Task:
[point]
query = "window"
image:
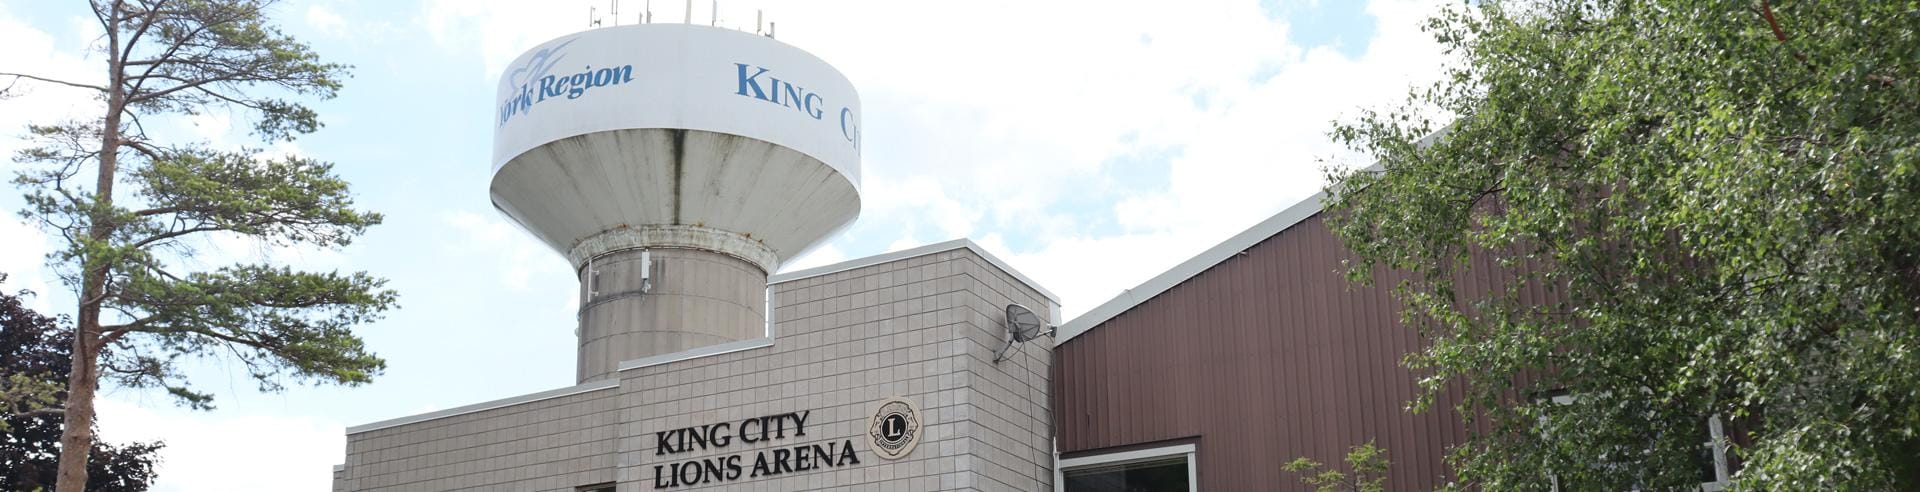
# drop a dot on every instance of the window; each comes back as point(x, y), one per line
point(1167, 469)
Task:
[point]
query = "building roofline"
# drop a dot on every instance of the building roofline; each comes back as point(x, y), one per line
point(944, 246)
point(1193, 266)
point(695, 353)
point(487, 405)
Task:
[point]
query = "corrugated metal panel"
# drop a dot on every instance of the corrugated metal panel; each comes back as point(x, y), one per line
point(1268, 356)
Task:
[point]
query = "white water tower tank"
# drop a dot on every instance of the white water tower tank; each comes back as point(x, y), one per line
point(713, 153)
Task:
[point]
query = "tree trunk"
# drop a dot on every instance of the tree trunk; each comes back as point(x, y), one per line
point(76, 438)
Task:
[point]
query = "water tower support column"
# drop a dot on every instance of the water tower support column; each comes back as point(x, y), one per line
point(702, 290)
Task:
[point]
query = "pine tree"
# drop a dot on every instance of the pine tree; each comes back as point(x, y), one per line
point(123, 246)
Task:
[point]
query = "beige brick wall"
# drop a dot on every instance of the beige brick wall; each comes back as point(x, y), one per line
point(547, 445)
point(1014, 438)
point(923, 328)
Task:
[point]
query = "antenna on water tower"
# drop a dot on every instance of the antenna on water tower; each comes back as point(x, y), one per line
point(714, 20)
point(646, 17)
point(689, 12)
point(615, 12)
point(593, 18)
point(758, 15)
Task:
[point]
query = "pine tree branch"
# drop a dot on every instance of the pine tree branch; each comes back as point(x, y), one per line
point(110, 18)
point(158, 211)
point(185, 85)
point(143, 149)
point(223, 74)
point(174, 234)
point(54, 81)
point(110, 333)
point(40, 412)
point(153, 14)
point(139, 126)
point(223, 97)
point(165, 57)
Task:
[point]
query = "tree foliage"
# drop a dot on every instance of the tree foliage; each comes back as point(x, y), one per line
point(35, 347)
point(1721, 203)
point(1367, 462)
point(125, 249)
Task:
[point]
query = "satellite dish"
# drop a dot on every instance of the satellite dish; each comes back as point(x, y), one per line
point(1022, 325)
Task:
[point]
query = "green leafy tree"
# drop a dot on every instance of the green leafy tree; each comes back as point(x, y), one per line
point(1368, 462)
point(1721, 203)
point(127, 230)
point(36, 347)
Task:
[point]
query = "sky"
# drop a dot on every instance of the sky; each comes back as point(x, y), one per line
point(1092, 144)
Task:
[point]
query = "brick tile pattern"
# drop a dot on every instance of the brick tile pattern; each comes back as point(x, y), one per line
point(552, 444)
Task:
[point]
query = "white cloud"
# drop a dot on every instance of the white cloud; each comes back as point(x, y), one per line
point(918, 200)
point(21, 258)
point(219, 451)
point(356, 22)
point(903, 244)
point(32, 51)
point(325, 20)
point(491, 235)
point(281, 149)
point(211, 126)
point(489, 239)
point(824, 255)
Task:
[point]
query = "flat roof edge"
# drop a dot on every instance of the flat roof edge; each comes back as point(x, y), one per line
point(487, 405)
point(1129, 298)
point(695, 353)
point(939, 247)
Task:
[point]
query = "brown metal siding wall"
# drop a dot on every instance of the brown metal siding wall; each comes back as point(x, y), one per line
point(1268, 356)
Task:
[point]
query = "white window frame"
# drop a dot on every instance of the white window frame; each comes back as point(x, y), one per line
point(1188, 451)
point(1721, 471)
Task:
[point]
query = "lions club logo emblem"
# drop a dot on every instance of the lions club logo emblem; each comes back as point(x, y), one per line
point(895, 428)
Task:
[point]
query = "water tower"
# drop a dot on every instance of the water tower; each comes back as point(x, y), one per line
point(674, 166)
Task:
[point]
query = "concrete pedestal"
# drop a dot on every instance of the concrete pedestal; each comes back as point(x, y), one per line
point(697, 298)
